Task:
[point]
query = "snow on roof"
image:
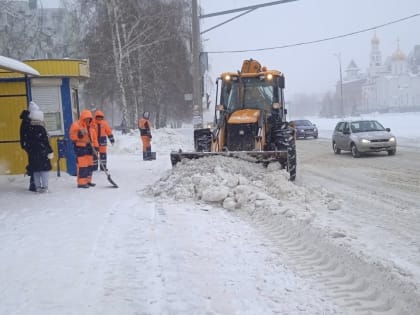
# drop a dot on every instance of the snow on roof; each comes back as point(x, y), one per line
point(16, 66)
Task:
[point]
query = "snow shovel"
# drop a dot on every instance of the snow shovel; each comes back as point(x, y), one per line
point(114, 185)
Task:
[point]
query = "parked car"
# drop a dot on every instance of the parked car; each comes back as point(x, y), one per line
point(362, 136)
point(305, 128)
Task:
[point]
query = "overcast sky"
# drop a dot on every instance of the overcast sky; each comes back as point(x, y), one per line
point(308, 68)
point(311, 68)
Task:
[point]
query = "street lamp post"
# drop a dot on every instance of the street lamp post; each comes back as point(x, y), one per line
point(338, 55)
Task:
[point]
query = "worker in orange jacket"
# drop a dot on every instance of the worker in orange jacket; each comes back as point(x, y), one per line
point(146, 136)
point(103, 132)
point(85, 145)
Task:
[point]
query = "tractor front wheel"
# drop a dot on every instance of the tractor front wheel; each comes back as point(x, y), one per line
point(291, 158)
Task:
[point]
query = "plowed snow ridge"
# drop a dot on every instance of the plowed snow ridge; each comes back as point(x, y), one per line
point(285, 213)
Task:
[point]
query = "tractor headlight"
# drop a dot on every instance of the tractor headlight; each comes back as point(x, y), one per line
point(276, 105)
point(227, 77)
point(269, 76)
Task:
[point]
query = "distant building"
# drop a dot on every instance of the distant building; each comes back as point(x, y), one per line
point(390, 86)
point(42, 30)
point(353, 83)
point(414, 60)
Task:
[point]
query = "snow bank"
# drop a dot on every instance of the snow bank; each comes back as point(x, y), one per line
point(238, 185)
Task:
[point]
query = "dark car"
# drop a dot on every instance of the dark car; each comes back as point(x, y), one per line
point(305, 128)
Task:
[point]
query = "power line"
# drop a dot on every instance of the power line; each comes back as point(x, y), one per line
point(251, 7)
point(319, 40)
point(227, 21)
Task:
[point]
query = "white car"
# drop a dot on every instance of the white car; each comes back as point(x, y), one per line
point(363, 136)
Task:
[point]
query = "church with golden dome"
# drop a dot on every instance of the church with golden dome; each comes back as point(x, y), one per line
point(390, 85)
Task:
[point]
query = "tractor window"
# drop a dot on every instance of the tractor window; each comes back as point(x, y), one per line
point(249, 93)
point(257, 93)
point(233, 101)
point(230, 96)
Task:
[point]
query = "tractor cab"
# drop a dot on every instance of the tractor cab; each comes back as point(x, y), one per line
point(249, 120)
point(260, 89)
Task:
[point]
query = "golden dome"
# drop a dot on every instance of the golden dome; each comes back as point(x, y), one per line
point(398, 55)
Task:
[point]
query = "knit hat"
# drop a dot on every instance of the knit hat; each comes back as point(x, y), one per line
point(36, 115)
point(33, 106)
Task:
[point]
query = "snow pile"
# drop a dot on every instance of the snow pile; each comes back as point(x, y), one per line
point(238, 185)
point(164, 141)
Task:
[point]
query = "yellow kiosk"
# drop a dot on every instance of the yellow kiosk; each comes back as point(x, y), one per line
point(53, 84)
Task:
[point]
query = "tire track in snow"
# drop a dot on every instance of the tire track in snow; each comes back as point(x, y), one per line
point(353, 279)
point(355, 285)
point(381, 195)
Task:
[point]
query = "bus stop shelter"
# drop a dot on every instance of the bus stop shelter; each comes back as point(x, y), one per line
point(15, 94)
point(54, 85)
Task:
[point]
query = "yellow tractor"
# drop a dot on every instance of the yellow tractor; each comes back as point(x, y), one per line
point(249, 121)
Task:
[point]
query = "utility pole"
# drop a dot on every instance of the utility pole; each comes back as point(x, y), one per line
point(196, 50)
point(197, 100)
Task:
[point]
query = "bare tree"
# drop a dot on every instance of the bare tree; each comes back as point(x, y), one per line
point(21, 30)
point(139, 51)
point(139, 57)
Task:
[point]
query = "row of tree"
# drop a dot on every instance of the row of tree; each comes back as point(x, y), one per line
point(139, 52)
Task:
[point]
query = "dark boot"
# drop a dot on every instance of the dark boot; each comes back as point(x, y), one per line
point(144, 156)
point(149, 153)
point(32, 186)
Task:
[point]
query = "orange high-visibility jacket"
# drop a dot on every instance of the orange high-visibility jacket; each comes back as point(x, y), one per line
point(89, 134)
point(144, 126)
point(103, 130)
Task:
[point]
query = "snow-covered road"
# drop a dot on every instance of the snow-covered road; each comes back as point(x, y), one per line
point(215, 236)
point(122, 251)
point(379, 201)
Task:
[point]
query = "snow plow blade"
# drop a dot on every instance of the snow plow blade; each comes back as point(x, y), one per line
point(250, 156)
